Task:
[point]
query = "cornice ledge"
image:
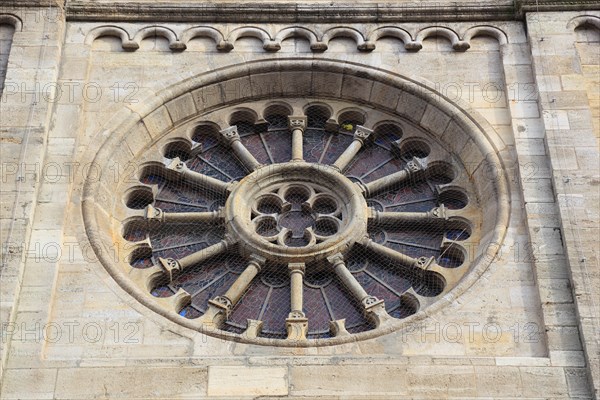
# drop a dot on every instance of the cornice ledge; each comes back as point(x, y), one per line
point(317, 12)
point(528, 6)
point(291, 12)
point(8, 5)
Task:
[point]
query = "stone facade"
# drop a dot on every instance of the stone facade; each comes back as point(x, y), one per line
point(95, 90)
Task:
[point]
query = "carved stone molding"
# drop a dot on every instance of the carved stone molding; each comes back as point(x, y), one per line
point(365, 37)
point(329, 12)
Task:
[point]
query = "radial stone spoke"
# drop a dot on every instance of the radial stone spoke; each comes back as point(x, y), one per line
point(296, 323)
point(173, 266)
point(424, 263)
point(433, 216)
point(374, 308)
point(297, 125)
point(413, 170)
point(232, 137)
point(157, 215)
point(360, 136)
point(220, 307)
point(198, 179)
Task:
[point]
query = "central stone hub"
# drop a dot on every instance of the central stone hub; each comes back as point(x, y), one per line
point(296, 212)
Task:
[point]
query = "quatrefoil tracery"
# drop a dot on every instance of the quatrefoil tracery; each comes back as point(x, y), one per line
point(297, 215)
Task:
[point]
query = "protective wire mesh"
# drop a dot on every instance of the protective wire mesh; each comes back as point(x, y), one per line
point(326, 297)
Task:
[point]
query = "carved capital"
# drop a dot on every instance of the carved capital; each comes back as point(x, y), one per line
point(439, 212)
point(223, 303)
point(296, 268)
point(230, 134)
point(217, 312)
point(170, 265)
point(177, 165)
point(297, 122)
point(296, 315)
point(154, 214)
point(229, 241)
point(257, 261)
point(362, 134)
point(370, 302)
point(424, 262)
point(336, 259)
point(296, 325)
point(414, 166)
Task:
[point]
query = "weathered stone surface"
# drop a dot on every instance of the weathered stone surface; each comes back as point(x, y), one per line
point(124, 383)
point(544, 124)
point(233, 381)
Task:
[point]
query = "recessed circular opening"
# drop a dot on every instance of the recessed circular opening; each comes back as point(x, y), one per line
point(297, 194)
point(269, 205)
point(141, 262)
point(440, 173)
point(277, 116)
point(190, 312)
point(349, 120)
point(325, 205)
point(162, 291)
point(451, 257)
point(325, 227)
point(135, 231)
point(205, 134)
point(177, 149)
point(430, 284)
point(409, 305)
point(415, 148)
point(246, 116)
point(277, 121)
point(458, 230)
point(277, 108)
point(152, 174)
point(138, 199)
point(349, 125)
point(457, 234)
point(453, 199)
point(267, 227)
point(388, 132)
point(317, 116)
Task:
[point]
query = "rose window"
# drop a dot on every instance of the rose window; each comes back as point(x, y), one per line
point(300, 223)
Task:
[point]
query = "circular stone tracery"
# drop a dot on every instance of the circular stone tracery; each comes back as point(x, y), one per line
point(304, 230)
point(422, 210)
point(296, 212)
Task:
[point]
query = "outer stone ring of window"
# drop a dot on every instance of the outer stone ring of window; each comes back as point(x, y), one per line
point(427, 173)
